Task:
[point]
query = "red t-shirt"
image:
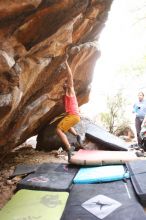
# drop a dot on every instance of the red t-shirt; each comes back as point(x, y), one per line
point(71, 105)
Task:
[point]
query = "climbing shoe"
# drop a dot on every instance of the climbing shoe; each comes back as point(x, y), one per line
point(79, 141)
point(70, 152)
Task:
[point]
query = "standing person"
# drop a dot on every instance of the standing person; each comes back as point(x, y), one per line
point(72, 113)
point(139, 109)
point(143, 134)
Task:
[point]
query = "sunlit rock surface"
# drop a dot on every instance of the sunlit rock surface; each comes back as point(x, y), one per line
point(34, 37)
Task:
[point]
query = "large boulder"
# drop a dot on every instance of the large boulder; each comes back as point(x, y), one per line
point(48, 140)
point(34, 37)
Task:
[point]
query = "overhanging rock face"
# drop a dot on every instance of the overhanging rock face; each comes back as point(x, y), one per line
point(34, 37)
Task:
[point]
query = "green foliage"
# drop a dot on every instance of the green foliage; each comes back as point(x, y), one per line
point(114, 116)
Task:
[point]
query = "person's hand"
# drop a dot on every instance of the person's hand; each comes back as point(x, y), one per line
point(75, 50)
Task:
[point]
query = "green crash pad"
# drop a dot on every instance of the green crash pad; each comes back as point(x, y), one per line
point(30, 205)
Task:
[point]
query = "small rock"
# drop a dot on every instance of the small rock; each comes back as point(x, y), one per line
point(9, 182)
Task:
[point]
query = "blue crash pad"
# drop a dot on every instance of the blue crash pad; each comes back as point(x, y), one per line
point(101, 174)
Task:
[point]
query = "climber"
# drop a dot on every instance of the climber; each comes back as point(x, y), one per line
point(72, 116)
